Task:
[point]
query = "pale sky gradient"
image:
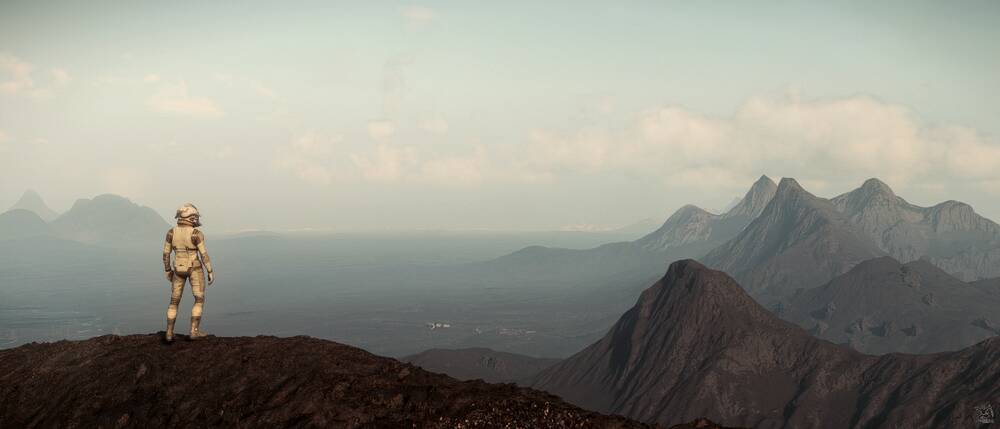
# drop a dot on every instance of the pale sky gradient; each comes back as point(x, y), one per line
point(513, 115)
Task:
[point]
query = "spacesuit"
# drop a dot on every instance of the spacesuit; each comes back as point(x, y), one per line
point(190, 261)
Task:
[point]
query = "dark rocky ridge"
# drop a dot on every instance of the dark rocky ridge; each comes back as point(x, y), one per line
point(696, 344)
point(480, 363)
point(267, 382)
point(882, 306)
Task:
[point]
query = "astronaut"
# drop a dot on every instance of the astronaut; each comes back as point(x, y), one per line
point(188, 246)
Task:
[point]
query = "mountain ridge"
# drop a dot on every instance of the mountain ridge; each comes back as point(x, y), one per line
point(695, 342)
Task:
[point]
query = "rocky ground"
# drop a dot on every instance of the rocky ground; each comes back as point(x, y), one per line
point(298, 382)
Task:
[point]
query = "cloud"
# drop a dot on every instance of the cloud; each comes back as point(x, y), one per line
point(256, 87)
point(309, 157)
point(174, 98)
point(18, 77)
point(435, 125)
point(60, 77)
point(387, 164)
point(418, 17)
point(15, 75)
point(151, 78)
point(825, 141)
point(381, 129)
point(453, 170)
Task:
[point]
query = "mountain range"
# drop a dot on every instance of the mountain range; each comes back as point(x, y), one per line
point(950, 234)
point(697, 344)
point(802, 241)
point(798, 241)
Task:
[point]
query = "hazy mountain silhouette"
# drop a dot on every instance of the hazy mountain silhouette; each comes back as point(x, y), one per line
point(21, 223)
point(698, 231)
point(798, 241)
point(689, 233)
point(110, 220)
point(951, 234)
point(33, 202)
point(266, 382)
point(480, 363)
point(883, 306)
point(696, 344)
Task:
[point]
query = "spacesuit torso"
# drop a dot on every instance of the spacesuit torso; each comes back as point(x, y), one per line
point(184, 248)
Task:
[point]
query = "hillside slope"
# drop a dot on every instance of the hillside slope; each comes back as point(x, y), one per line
point(265, 382)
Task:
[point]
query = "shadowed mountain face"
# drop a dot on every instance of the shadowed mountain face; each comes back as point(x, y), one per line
point(798, 241)
point(264, 382)
point(698, 231)
point(883, 306)
point(696, 344)
point(480, 363)
point(110, 220)
point(951, 234)
point(21, 223)
point(33, 202)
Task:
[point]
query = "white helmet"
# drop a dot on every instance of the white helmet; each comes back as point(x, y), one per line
point(189, 213)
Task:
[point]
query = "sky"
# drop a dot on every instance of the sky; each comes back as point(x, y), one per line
point(498, 116)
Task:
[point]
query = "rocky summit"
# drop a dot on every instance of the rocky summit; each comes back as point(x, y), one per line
point(257, 382)
point(695, 344)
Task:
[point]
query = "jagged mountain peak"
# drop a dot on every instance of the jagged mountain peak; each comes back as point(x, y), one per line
point(788, 184)
point(876, 186)
point(689, 284)
point(756, 198)
point(873, 200)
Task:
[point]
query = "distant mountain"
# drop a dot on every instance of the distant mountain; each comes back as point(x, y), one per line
point(21, 223)
point(697, 231)
point(480, 363)
point(33, 202)
point(951, 234)
point(572, 265)
point(638, 228)
point(689, 233)
point(258, 382)
point(882, 306)
point(798, 241)
point(110, 220)
point(696, 344)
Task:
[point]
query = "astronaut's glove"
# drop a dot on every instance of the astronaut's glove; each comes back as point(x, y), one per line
point(211, 278)
point(170, 276)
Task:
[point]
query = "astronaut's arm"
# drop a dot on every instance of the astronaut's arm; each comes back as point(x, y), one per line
point(166, 251)
point(199, 240)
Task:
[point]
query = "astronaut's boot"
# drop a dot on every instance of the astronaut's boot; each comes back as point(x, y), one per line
point(169, 336)
point(195, 332)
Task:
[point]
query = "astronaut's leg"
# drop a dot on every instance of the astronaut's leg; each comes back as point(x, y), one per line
point(198, 290)
point(176, 288)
